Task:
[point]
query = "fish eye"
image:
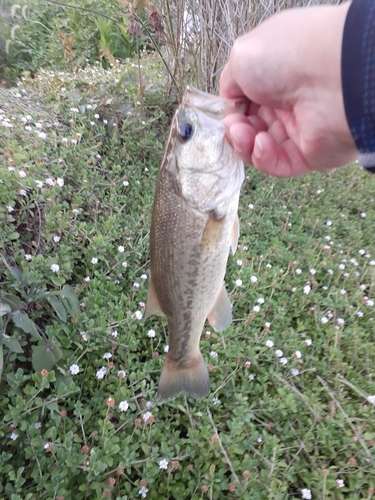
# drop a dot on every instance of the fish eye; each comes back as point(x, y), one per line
point(186, 131)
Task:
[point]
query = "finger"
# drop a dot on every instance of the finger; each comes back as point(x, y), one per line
point(241, 135)
point(266, 114)
point(278, 132)
point(279, 160)
point(254, 121)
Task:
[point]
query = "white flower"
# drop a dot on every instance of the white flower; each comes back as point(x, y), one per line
point(74, 369)
point(312, 271)
point(75, 210)
point(137, 315)
point(74, 110)
point(94, 260)
point(124, 264)
point(22, 174)
point(101, 373)
point(83, 336)
point(107, 355)
point(269, 343)
point(146, 416)
point(9, 209)
point(256, 309)
point(121, 374)
point(56, 239)
point(361, 252)
point(144, 277)
point(330, 272)
point(260, 300)
point(14, 436)
point(363, 215)
point(329, 223)
point(163, 464)
point(96, 116)
point(343, 292)
point(136, 285)
point(324, 320)
point(319, 191)
point(216, 401)
point(308, 342)
point(372, 262)
point(283, 361)
point(151, 334)
point(114, 334)
point(238, 282)
point(23, 192)
point(294, 372)
point(251, 206)
point(28, 256)
point(306, 494)
point(342, 267)
point(87, 279)
point(298, 271)
point(149, 405)
point(297, 354)
point(253, 279)
point(340, 321)
point(37, 425)
point(371, 399)
point(213, 354)
point(166, 348)
point(251, 377)
point(267, 325)
point(340, 483)
point(294, 289)
point(120, 249)
point(306, 289)
point(143, 491)
point(123, 406)
point(239, 262)
point(279, 353)
point(268, 266)
point(60, 182)
point(49, 181)
point(370, 303)
point(55, 268)
point(42, 135)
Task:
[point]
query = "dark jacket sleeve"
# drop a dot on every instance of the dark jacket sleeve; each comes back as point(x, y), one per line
point(358, 78)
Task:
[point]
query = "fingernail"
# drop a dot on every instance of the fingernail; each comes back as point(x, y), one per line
point(258, 147)
point(237, 144)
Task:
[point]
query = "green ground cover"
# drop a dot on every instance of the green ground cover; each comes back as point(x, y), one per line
point(291, 412)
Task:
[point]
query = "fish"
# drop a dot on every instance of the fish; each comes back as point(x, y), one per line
point(194, 225)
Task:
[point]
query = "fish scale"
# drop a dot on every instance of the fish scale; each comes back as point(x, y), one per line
point(194, 224)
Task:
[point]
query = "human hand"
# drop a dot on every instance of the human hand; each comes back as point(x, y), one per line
point(289, 68)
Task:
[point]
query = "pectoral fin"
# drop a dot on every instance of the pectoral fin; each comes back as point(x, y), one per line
point(221, 315)
point(152, 304)
point(235, 234)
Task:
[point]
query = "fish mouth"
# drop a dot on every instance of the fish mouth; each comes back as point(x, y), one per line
point(213, 105)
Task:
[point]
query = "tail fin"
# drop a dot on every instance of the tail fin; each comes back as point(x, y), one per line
point(193, 379)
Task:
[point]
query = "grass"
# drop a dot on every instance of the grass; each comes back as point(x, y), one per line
point(277, 425)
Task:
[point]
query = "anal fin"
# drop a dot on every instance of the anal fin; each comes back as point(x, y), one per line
point(221, 315)
point(152, 304)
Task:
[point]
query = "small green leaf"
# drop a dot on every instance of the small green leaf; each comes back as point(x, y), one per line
point(13, 300)
point(12, 344)
point(4, 309)
point(58, 280)
point(14, 271)
point(58, 306)
point(70, 300)
point(42, 358)
point(21, 320)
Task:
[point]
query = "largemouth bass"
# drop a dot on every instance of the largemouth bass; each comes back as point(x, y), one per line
point(194, 224)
